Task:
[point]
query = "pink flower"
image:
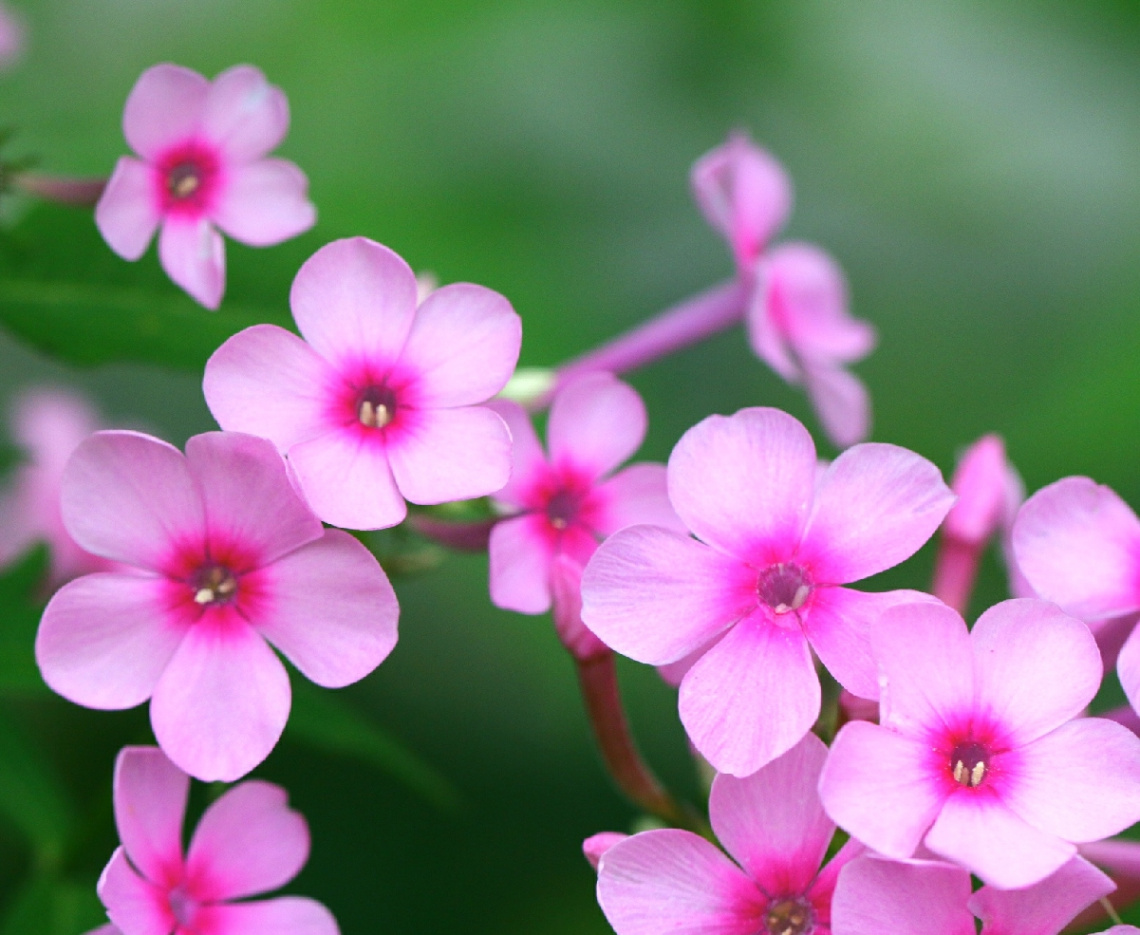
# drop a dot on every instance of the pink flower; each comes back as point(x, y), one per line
point(248, 842)
point(763, 587)
point(202, 166)
point(381, 404)
point(228, 556)
point(875, 896)
point(772, 825)
point(13, 37)
point(597, 844)
point(981, 754)
point(565, 504)
point(1078, 544)
point(48, 424)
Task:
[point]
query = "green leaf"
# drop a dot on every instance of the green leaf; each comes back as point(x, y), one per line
point(50, 905)
point(323, 721)
point(31, 797)
point(64, 292)
point(20, 610)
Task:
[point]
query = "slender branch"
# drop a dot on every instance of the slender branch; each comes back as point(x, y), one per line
point(81, 192)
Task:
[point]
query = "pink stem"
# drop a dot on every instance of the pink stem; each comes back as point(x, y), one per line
point(81, 192)
point(463, 536)
point(955, 568)
point(677, 327)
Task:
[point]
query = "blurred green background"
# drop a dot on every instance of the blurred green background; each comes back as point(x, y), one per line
point(973, 166)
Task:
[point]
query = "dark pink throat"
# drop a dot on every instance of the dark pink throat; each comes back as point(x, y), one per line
point(789, 917)
point(214, 585)
point(970, 764)
point(784, 587)
point(375, 407)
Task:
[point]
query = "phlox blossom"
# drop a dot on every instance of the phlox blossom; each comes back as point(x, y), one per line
point(13, 37)
point(248, 842)
point(226, 555)
point(380, 402)
point(562, 505)
point(201, 167)
point(772, 825)
point(763, 583)
point(48, 425)
point(981, 753)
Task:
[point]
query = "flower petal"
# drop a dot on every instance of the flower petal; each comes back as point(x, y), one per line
point(222, 702)
point(135, 905)
point(656, 596)
point(105, 640)
point(354, 300)
point(1047, 906)
point(268, 382)
point(841, 401)
point(1128, 668)
point(637, 495)
point(875, 785)
point(744, 482)
point(463, 345)
point(150, 803)
point(1036, 667)
point(520, 556)
point(265, 203)
point(244, 114)
point(888, 897)
point(128, 212)
point(672, 880)
point(875, 506)
point(528, 462)
point(347, 481)
point(1080, 782)
point(751, 697)
point(248, 842)
point(772, 822)
point(1077, 543)
point(285, 915)
point(333, 613)
point(250, 502)
point(596, 423)
point(163, 108)
point(129, 497)
point(193, 255)
point(980, 832)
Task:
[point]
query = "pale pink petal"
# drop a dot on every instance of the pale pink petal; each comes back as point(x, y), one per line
point(838, 626)
point(268, 382)
point(1128, 668)
point(751, 697)
point(656, 596)
point(744, 193)
point(520, 553)
point(1078, 544)
point(193, 255)
point(637, 495)
point(926, 668)
point(347, 481)
point(597, 844)
point(105, 640)
point(249, 500)
point(981, 833)
point(841, 401)
point(222, 702)
point(875, 506)
point(150, 803)
point(876, 785)
point(766, 335)
point(528, 462)
point(744, 482)
point(135, 905)
point(130, 497)
point(244, 114)
point(566, 597)
point(673, 881)
point(886, 897)
point(265, 203)
point(332, 611)
point(128, 212)
point(354, 300)
point(285, 915)
point(596, 423)
point(1080, 782)
point(772, 822)
point(463, 345)
point(1120, 857)
point(452, 454)
point(1044, 908)
point(673, 673)
point(163, 108)
point(108, 929)
point(13, 37)
point(821, 890)
point(248, 842)
point(981, 482)
point(1036, 666)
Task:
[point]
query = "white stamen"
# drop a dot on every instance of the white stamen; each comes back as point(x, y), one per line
point(977, 773)
point(204, 596)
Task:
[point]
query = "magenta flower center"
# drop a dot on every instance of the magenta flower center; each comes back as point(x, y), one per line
point(969, 764)
point(189, 179)
point(783, 587)
point(214, 584)
point(376, 407)
point(183, 180)
point(789, 917)
point(562, 508)
point(181, 907)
